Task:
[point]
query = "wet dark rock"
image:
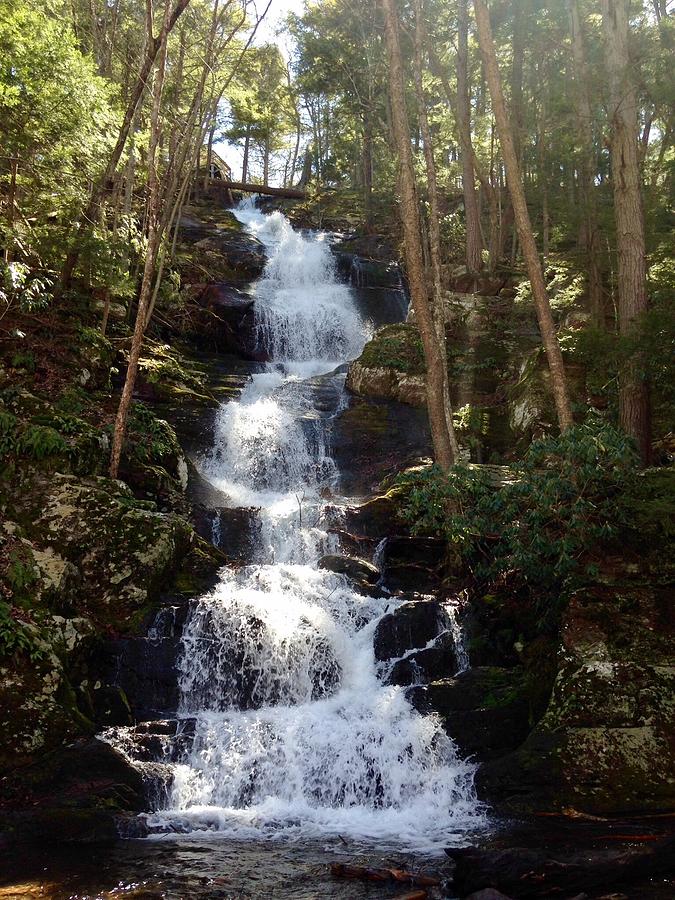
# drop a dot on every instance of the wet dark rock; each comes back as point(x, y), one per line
point(413, 563)
point(411, 625)
point(357, 569)
point(232, 530)
point(144, 668)
point(426, 665)
point(371, 440)
point(485, 710)
point(71, 794)
point(369, 248)
point(224, 320)
point(110, 705)
point(488, 894)
point(528, 778)
point(374, 519)
point(241, 252)
point(566, 872)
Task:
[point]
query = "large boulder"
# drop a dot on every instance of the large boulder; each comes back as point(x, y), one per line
point(410, 626)
point(144, 668)
point(484, 710)
point(421, 666)
point(413, 563)
point(77, 793)
point(241, 252)
point(391, 367)
point(374, 439)
point(232, 530)
point(123, 548)
point(605, 743)
point(89, 558)
point(224, 320)
point(358, 570)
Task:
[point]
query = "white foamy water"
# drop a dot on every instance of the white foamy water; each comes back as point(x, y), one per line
point(295, 735)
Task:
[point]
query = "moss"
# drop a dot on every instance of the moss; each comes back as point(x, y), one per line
point(397, 347)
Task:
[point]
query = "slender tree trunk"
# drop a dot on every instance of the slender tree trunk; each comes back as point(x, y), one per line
point(471, 209)
point(247, 145)
point(434, 219)
point(11, 203)
point(522, 219)
point(150, 257)
point(410, 219)
point(367, 166)
point(634, 401)
point(209, 156)
point(468, 152)
point(266, 162)
point(590, 232)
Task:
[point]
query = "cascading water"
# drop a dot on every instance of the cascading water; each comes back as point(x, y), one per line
point(294, 734)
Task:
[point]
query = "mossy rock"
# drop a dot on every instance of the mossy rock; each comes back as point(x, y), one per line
point(604, 744)
point(396, 347)
point(123, 548)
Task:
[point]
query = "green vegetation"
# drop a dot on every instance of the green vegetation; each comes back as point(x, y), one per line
point(397, 347)
point(558, 511)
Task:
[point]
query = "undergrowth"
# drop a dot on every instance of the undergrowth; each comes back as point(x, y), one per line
point(568, 499)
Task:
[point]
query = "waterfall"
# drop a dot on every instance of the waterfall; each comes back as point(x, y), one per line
point(295, 735)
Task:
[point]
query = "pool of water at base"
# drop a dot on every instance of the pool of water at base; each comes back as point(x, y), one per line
point(200, 869)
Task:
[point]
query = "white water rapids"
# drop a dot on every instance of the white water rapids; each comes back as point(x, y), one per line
point(295, 734)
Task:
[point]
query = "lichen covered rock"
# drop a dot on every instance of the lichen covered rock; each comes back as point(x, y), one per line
point(605, 743)
point(391, 367)
point(84, 557)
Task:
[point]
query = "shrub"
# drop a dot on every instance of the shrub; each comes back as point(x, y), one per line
point(545, 520)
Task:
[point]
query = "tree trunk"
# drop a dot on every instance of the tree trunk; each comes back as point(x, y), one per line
point(590, 233)
point(247, 145)
point(367, 165)
point(634, 401)
point(522, 219)
point(209, 156)
point(466, 144)
point(266, 162)
point(150, 257)
point(434, 220)
point(471, 210)
point(11, 203)
point(410, 219)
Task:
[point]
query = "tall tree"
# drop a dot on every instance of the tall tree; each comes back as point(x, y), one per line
point(590, 236)
point(471, 210)
point(153, 216)
point(436, 376)
point(634, 405)
point(522, 218)
point(438, 310)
